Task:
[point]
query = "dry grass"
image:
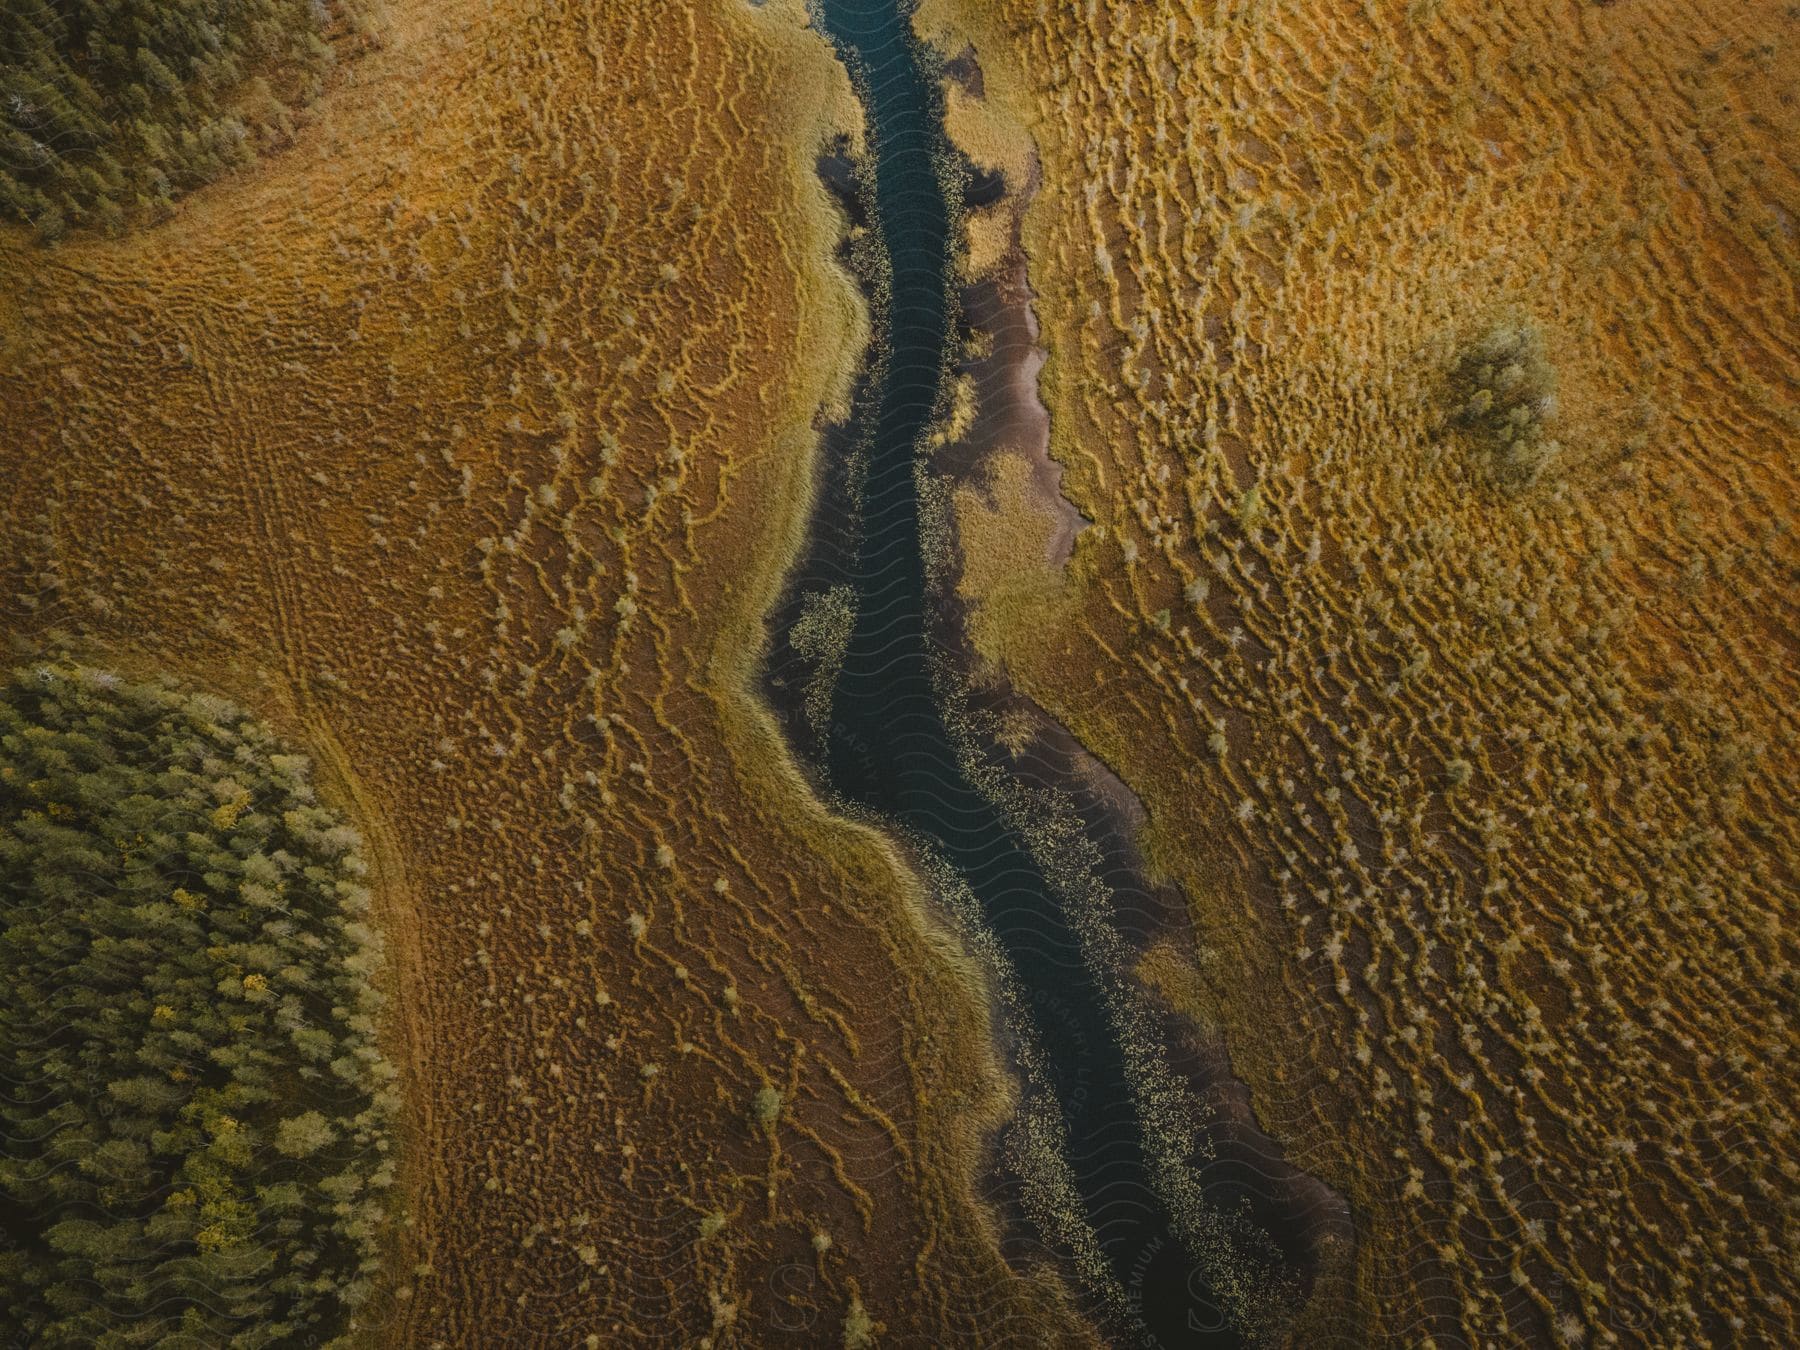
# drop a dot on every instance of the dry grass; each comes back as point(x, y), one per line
point(467, 441)
point(1477, 788)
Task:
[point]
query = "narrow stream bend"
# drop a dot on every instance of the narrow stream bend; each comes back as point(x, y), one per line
point(886, 750)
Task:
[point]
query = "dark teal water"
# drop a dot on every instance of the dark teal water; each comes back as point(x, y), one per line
point(887, 748)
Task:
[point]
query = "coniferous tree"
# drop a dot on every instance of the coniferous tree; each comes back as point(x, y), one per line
point(182, 945)
point(106, 104)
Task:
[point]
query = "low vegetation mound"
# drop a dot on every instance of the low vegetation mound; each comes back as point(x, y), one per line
point(193, 1112)
point(1505, 392)
point(110, 108)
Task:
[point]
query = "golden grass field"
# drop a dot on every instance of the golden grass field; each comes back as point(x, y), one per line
point(467, 440)
point(1479, 794)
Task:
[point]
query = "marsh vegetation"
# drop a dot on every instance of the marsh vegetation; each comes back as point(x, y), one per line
point(476, 439)
point(1426, 373)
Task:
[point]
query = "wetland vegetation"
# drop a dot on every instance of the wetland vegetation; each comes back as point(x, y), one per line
point(1270, 824)
point(1436, 605)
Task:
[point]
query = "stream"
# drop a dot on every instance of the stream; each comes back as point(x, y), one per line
point(887, 751)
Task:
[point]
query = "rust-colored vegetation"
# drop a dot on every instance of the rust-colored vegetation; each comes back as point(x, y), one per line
point(1465, 719)
point(466, 441)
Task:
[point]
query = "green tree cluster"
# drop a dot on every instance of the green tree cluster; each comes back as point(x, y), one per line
point(1504, 391)
point(194, 1114)
point(113, 108)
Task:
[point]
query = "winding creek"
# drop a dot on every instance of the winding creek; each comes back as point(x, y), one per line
point(888, 749)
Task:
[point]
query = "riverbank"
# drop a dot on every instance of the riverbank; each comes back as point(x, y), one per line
point(1385, 720)
point(907, 743)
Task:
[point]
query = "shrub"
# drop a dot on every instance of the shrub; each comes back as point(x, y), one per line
point(1504, 391)
point(194, 1109)
point(765, 1107)
point(859, 1328)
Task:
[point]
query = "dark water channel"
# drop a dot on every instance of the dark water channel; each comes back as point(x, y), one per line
point(886, 747)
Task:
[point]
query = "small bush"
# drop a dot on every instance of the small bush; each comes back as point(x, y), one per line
point(860, 1329)
point(193, 1105)
point(1503, 389)
point(765, 1107)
